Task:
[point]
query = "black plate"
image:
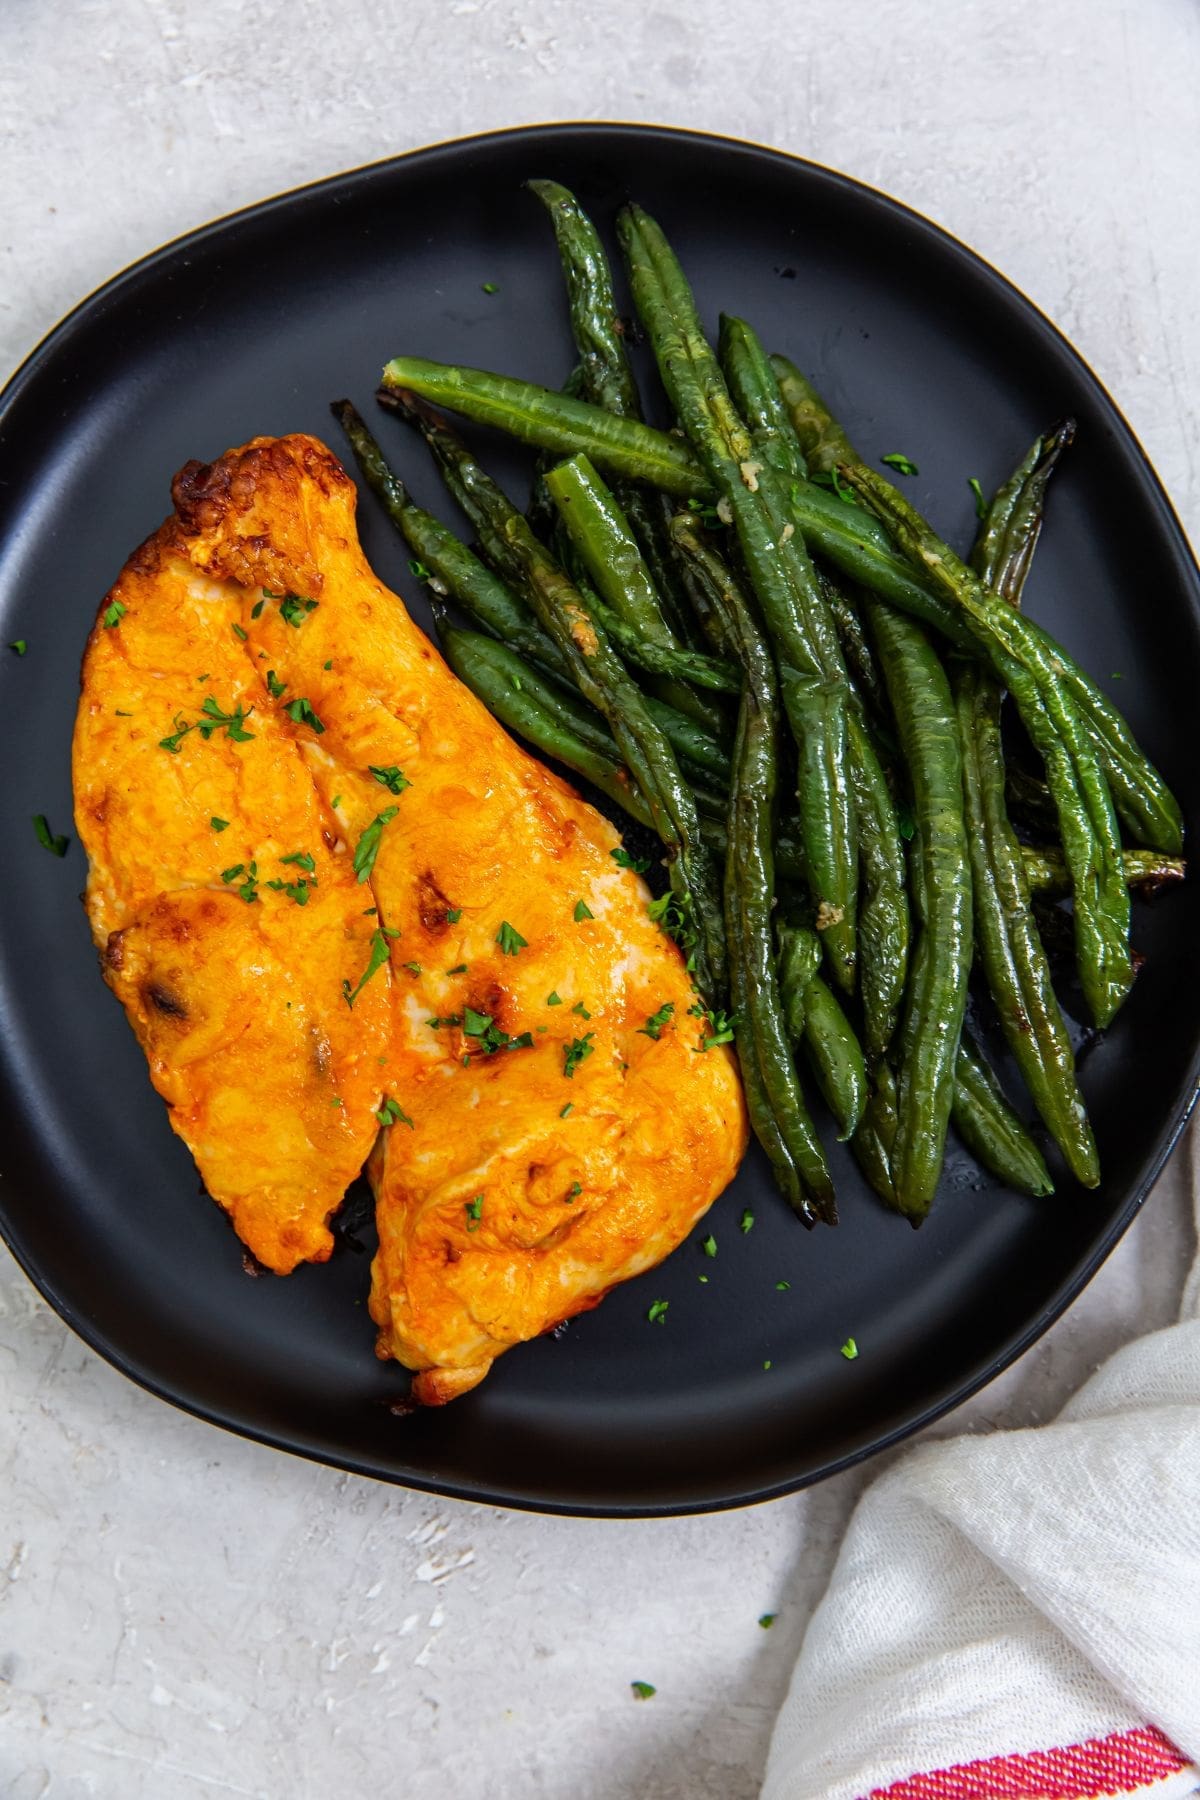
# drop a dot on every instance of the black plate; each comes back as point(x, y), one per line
point(252, 326)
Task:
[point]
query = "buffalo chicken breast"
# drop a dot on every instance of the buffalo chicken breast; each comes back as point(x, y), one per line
point(467, 960)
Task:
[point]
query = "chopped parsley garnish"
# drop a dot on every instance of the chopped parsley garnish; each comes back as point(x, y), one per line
point(173, 742)
point(301, 712)
point(746, 1222)
point(553, 999)
point(849, 1349)
point(256, 609)
point(114, 614)
point(248, 888)
point(709, 1245)
point(574, 1191)
point(122, 715)
point(766, 1620)
point(720, 1030)
point(581, 1009)
point(18, 646)
point(902, 464)
point(569, 1107)
point(392, 778)
point(832, 479)
point(703, 1279)
point(653, 1028)
point(623, 860)
point(458, 969)
point(295, 890)
point(57, 846)
point(376, 960)
point(453, 915)
point(906, 823)
point(238, 633)
point(474, 1211)
point(672, 913)
point(413, 968)
point(582, 911)
point(489, 1036)
point(577, 1051)
point(976, 488)
point(781, 1287)
point(490, 287)
point(706, 512)
point(336, 801)
point(418, 571)
point(303, 859)
point(233, 722)
point(658, 1311)
point(292, 607)
point(328, 665)
point(509, 940)
point(219, 824)
point(767, 1364)
point(446, 1019)
point(642, 1690)
point(276, 688)
point(367, 847)
point(392, 1113)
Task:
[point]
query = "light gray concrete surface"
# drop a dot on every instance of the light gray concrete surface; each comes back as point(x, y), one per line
point(185, 1615)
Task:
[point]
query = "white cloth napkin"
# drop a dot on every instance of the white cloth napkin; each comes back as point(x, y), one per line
point(1018, 1614)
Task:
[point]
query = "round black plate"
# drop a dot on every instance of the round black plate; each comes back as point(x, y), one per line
point(252, 326)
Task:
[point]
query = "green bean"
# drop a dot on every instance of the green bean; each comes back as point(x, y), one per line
point(861, 665)
point(816, 1023)
point(1006, 936)
point(1086, 818)
point(990, 1128)
point(937, 991)
point(874, 1142)
point(601, 535)
point(510, 690)
point(859, 546)
point(707, 574)
point(884, 924)
point(755, 389)
point(780, 575)
point(774, 1096)
point(1046, 871)
point(536, 415)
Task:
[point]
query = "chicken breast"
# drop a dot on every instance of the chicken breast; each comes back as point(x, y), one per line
point(557, 1125)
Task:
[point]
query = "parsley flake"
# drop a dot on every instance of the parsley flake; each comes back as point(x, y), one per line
point(553, 999)
point(295, 890)
point(672, 913)
point(238, 633)
point(301, 713)
point(376, 960)
point(623, 860)
point(574, 1191)
point(509, 940)
point(276, 688)
point(709, 1245)
point(582, 911)
point(414, 968)
point(658, 1311)
point(392, 778)
point(453, 915)
point(849, 1349)
point(720, 1030)
point(489, 287)
point(781, 1287)
point(474, 1211)
point(215, 717)
point(903, 465)
point(569, 1107)
point(581, 1009)
point(642, 1690)
point(746, 1222)
point(173, 742)
point(114, 614)
point(458, 969)
point(256, 609)
point(247, 889)
point(482, 1027)
point(418, 571)
point(292, 607)
point(303, 859)
point(392, 1113)
point(981, 505)
point(766, 1620)
point(653, 1028)
point(18, 646)
point(577, 1051)
point(57, 846)
point(367, 848)
point(219, 824)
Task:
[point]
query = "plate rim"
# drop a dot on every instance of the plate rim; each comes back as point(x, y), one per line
point(1176, 1117)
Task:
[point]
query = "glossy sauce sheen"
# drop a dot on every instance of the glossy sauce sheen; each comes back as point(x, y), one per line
point(497, 1216)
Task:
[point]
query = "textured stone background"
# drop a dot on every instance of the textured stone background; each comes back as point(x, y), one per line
point(185, 1615)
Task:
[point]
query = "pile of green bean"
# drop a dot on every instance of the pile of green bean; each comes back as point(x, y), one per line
point(747, 639)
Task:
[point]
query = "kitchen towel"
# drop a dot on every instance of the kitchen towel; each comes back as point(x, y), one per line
point(1017, 1614)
